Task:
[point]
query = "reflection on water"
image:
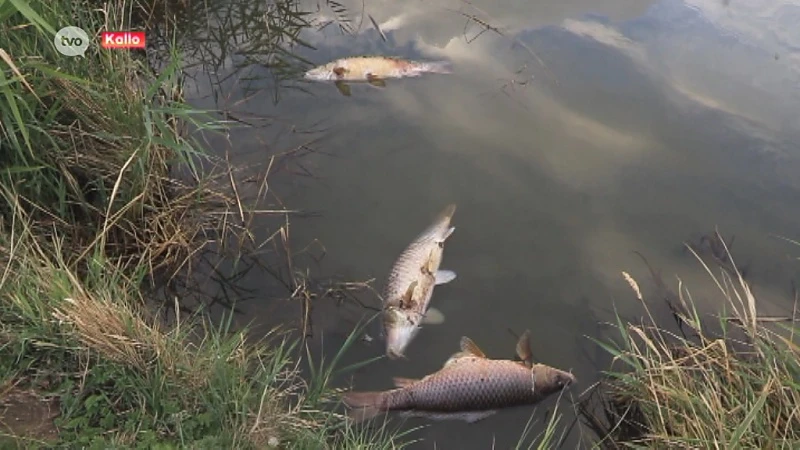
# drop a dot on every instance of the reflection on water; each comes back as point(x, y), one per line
point(571, 134)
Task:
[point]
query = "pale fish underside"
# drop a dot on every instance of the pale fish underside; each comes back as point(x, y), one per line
point(373, 70)
point(410, 285)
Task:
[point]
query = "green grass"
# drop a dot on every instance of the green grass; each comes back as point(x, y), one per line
point(90, 144)
point(123, 377)
point(91, 209)
point(734, 387)
point(551, 436)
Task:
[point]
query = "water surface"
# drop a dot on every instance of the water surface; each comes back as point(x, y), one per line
point(575, 135)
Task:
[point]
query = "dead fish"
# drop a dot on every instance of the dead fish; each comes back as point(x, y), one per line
point(373, 70)
point(409, 288)
point(469, 387)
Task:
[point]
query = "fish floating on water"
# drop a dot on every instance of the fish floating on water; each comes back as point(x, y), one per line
point(409, 288)
point(373, 70)
point(470, 387)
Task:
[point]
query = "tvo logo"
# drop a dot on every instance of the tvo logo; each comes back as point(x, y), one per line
point(71, 41)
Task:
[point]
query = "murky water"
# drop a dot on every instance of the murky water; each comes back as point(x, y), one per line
point(578, 133)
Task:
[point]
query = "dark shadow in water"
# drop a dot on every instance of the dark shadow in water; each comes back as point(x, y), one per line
point(230, 52)
point(250, 44)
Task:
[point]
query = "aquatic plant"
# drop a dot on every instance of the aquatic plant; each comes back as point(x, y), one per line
point(104, 181)
point(94, 144)
point(737, 387)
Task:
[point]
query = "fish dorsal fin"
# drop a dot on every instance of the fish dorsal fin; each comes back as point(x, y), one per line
point(468, 347)
point(403, 382)
point(524, 348)
point(408, 298)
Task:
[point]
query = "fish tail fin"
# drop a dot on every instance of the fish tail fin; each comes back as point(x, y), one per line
point(438, 67)
point(447, 213)
point(364, 405)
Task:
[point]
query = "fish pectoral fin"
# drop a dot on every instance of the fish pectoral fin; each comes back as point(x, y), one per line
point(408, 298)
point(444, 276)
point(433, 317)
point(375, 81)
point(524, 348)
point(467, 346)
point(467, 416)
point(339, 71)
point(473, 417)
point(343, 88)
point(401, 382)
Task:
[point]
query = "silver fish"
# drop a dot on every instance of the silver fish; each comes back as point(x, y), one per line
point(409, 288)
point(469, 387)
point(373, 70)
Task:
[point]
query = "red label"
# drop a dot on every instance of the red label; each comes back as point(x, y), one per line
point(122, 39)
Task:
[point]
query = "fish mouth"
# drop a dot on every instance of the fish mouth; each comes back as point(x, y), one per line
point(315, 75)
point(398, 332)
point(396, 342)
point(394, 355)
point(567, 379)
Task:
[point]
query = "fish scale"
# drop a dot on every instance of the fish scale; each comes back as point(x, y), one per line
point(410, 284)
point(468, 385)
point(408, 266)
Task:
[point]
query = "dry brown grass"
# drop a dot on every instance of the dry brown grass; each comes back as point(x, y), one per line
point(736, 388)
point(250, 393)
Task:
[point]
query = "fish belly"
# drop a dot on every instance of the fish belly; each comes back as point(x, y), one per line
point(359, 68)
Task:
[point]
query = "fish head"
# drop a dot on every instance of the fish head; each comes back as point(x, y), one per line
point(564, 379)
point(321, 73)
point(551, 379)
point(399, 328)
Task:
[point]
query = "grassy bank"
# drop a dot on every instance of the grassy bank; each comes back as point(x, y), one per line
point(105, 183)
point(729, 383)
point(102, 187)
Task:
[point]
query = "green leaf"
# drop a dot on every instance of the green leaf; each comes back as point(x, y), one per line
point(742, 428)
point(25, 9)
point(11, 101)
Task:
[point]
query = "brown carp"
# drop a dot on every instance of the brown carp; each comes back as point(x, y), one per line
point(469, 387)
point(409, 288)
